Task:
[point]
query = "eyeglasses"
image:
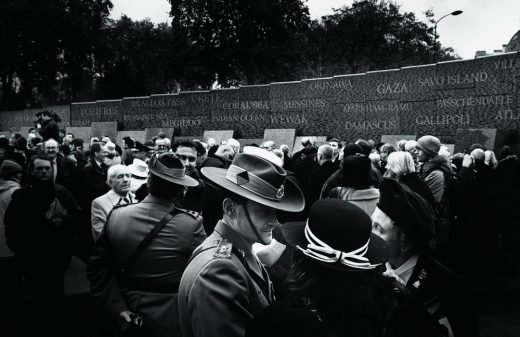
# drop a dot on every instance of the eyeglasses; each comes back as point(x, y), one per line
point(112, 155)
point(183, 158)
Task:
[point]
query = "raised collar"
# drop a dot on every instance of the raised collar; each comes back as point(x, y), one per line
point(156, 200)
point(237, 240)
point(406, 269)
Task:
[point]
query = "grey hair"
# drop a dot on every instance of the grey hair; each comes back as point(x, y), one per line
point(114, 170)
point(401, 163)
point(326, 152)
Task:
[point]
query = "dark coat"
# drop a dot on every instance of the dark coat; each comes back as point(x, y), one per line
point(215, 161)
point(445, 295)
point(302, 172)
point(474, 234)
point(296, 317)
point(319, 174)
point(49, 129)
point(66, 172)
point(38, 244)
point(416, 184)
point(92, 182)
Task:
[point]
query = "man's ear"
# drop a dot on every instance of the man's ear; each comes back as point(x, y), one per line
point(229, 207)
point(406, 245)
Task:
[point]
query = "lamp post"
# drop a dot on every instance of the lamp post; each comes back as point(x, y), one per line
point(454, 13)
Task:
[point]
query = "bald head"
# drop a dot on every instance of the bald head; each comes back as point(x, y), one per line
point(51, 148)
point(478, 156)
point(325, 152)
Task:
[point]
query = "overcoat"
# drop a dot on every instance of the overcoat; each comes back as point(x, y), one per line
point(149, 286)
point(445, 295)
point(223, 287)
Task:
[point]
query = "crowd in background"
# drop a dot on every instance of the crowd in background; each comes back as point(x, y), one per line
point(57, 192)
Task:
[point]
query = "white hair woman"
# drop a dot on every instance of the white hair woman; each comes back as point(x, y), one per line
point(490, 159)
point(400, 166)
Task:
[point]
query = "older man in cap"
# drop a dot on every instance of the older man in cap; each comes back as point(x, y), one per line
point(224, 275)
point(406, 222)
point(141, 152)
point(119, 179)
point(138, 261)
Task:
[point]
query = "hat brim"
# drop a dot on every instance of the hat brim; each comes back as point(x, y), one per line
point(138, 173)
point(185, 181)
point(292, 200)
point(294, 234)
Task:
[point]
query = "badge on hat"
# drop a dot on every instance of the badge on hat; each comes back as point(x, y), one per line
point(280, 193)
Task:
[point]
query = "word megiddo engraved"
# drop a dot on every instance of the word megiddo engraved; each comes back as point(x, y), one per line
point(371, 125)
point(446, 80)
point(475, 101)
point(181, 122)
point(444, 119)
point(391, 88)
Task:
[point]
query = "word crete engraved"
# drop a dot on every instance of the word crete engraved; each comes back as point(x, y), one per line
point(425, 99)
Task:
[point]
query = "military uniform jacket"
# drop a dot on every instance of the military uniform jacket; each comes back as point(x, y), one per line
point(149, 286)
point(445, 295)
point(220, 291)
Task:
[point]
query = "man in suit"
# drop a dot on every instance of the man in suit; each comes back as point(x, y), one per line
point(91, 184)
point(224, 275)
point(323, 169)
point(119, 179)
point(148, 286)
point(406, 222)
point(62, 168)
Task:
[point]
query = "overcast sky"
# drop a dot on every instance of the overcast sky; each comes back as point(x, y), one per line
point(484, 25)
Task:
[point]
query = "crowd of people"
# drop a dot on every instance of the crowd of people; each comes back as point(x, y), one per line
point(191, 238)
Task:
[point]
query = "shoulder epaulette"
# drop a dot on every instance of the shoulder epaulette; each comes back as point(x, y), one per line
point(194, 214)
point(223, 250)
point(116, 207)
point(122, 205)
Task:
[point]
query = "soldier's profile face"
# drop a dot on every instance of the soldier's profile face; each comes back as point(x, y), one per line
point(263, 219)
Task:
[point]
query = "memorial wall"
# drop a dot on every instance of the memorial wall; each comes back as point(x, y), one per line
point(433, 99)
